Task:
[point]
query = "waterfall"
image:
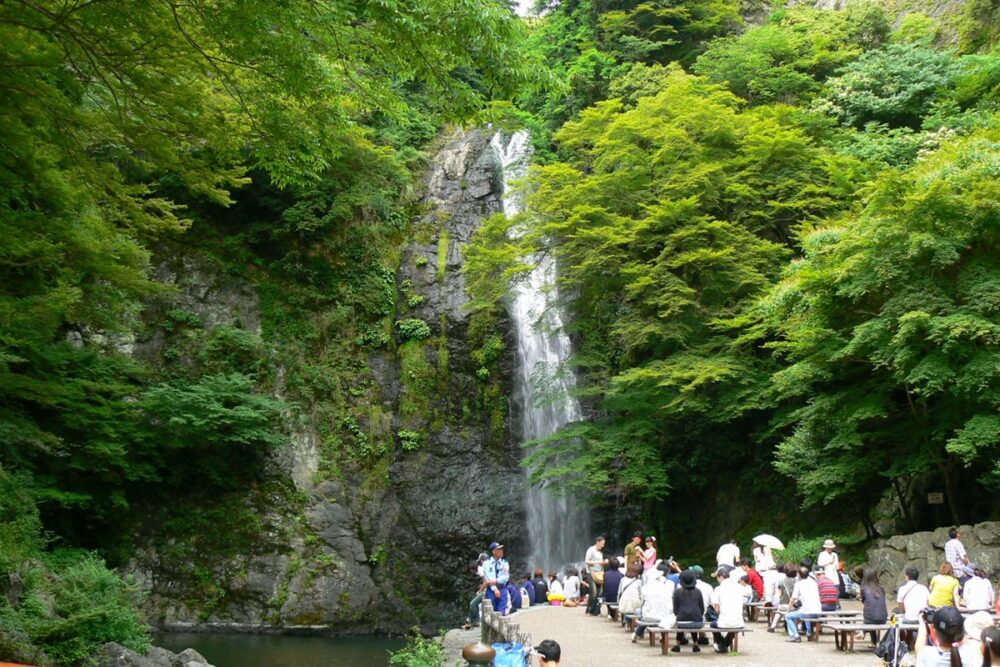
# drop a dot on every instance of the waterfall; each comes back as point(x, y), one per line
point(558, 525)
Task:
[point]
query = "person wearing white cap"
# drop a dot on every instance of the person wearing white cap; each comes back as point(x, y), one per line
point(829, 560)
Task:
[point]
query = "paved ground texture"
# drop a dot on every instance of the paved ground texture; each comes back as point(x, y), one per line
point(598, 642)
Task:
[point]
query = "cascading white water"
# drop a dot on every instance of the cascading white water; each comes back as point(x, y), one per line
point(558, 524)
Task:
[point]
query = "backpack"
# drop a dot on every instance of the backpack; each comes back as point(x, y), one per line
point(891, 649)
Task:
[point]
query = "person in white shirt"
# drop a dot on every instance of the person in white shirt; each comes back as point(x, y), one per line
point(728, 554)
point(829, 561)
point(948, 628)
point(571, 586)
point(595, 562)
point(977, 593)
point(805, 592)
point(657, 601)
point(727, 598)
point(763, 559)
point(772, 587)
point(912, 596)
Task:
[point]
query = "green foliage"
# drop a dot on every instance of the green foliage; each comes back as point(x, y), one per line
point(413, 329)
point(917, 28)
point(410, 440)
point(419, 652)
point(895, 85)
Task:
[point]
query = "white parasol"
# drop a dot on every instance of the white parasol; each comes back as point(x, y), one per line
point(769, 541)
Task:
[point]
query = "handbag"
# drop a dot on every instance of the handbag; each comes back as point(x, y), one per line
point(598, 577)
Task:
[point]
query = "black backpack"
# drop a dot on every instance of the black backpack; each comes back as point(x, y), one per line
point(891, 649)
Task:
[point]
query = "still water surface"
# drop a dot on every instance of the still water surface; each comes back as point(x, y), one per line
point(235, 650)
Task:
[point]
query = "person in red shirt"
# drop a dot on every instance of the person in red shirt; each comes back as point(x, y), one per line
point(829, 592)
point(754, 578)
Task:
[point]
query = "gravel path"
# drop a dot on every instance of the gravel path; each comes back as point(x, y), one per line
point(598, 642)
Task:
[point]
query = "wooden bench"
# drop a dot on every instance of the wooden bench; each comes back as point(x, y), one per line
point(843, 632)
point(612, 610)
point(705, 630)
point(819, 619)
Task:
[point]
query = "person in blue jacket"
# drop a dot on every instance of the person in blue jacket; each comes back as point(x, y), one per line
point(496, 572)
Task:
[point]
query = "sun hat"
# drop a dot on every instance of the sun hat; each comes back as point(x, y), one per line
point(495, 545)
point(688, 579)
point(829, 545)
point(949, 621)
point(976, 623)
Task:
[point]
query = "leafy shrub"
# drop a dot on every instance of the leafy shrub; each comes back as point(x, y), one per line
point(418, 652)
point(413, 329)
point(410, 440)
point(230, 349)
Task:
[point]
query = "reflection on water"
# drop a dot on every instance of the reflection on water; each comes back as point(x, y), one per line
point(235, 650)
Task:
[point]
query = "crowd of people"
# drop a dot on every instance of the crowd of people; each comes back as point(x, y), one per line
point(660, 590)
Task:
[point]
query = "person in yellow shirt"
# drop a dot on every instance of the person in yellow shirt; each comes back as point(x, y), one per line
point(945, 588)
point(632, 550)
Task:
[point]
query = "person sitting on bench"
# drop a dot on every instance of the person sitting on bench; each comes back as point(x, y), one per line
point(727, 599)
point(689, 607)
point(804, 604)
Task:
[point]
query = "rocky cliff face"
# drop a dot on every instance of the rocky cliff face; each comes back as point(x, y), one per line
point(925, 551)
point(351, 549)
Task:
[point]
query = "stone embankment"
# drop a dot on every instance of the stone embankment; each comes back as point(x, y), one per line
point(925, 551)
point(116, 655)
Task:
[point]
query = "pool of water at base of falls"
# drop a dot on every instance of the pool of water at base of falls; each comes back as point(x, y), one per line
point(242, 650)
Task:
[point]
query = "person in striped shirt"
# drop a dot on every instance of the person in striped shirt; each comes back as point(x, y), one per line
point(829, 592)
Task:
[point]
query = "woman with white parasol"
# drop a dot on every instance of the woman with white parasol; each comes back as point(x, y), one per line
point(762, 556)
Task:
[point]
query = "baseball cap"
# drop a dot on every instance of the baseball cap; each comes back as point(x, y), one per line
point(949, 621)
point(495, 545)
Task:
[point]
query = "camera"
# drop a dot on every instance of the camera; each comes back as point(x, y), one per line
point(927, 613)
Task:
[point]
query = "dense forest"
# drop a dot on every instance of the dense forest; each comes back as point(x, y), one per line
point(777, 232)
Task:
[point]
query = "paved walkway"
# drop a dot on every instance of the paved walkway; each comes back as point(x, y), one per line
point(597, 642)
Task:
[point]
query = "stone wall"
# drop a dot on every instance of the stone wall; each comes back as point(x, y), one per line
point(925, 551)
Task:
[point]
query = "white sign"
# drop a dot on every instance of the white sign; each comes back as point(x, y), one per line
point(935, 499)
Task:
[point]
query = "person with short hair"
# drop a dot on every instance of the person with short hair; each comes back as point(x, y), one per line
point(496, 573)
point(571, 587)
point(977, 592)
point(912, 597)
point(548, 653)
point(829, 592)
point(753, 577)
point(727, 600)
point(805, 592)
point(947, 628)
point(633, 552)
point(612, 580)
point(728, 553)
point(595, 561)
point(945, 588)
point(954, 554)
point(541, 586)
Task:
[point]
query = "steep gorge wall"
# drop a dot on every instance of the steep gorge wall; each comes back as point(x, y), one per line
point(356, 547)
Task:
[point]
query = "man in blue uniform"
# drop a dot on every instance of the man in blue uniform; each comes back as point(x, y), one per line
point(496, 572)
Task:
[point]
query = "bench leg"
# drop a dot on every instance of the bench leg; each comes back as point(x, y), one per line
point(652, 637)
point(665, 643)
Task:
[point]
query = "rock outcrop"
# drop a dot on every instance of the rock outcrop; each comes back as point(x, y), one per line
point(351, 551)
point(925, 551)
point(116, 655)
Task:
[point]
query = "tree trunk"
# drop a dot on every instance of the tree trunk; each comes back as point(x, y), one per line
point(949, 491)
point(903, 505)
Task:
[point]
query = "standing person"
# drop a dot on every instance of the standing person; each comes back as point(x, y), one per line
point(727, 600)
point(947, 626)
point(806, 593)
point(496, 573)
point(945, 588)
point(689, 608)
point(548, 653)
point(978, 592)
point(912, 597)
point(595, 561)
point(728, 554)
point(829, 560)
point(612, 581)
point(633, 550)
point(657, 601)
point(954, 554)
point(541, 586)
point(829, 592)
point(763, 559)
point(648, 557)
point(873, 599)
